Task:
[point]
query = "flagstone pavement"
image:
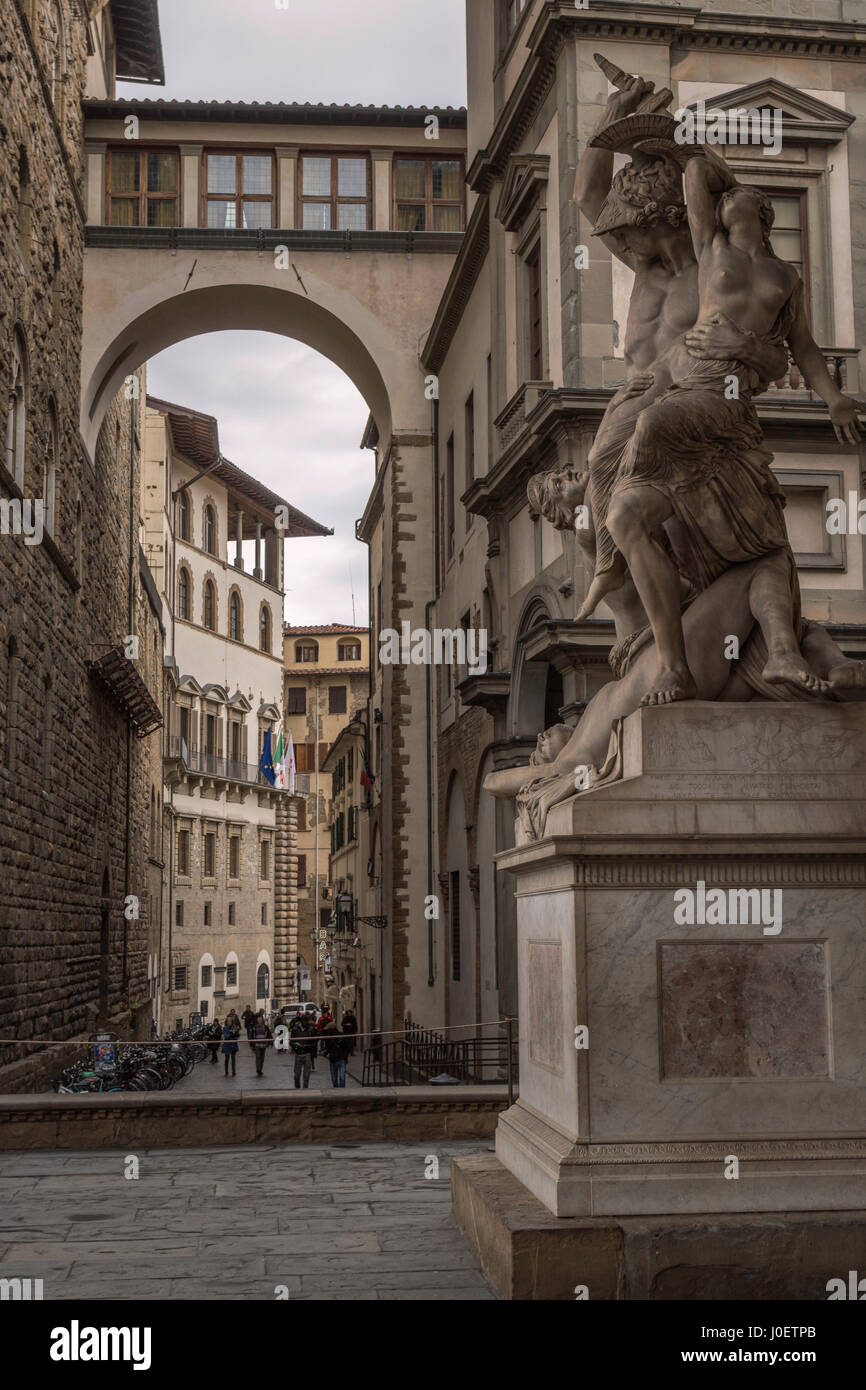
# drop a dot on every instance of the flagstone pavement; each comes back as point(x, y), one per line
point(208, 1079)
point(309, 1222)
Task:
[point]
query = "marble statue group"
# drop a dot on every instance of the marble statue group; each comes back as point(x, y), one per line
point(678, 512)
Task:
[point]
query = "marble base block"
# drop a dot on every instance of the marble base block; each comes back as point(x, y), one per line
point(724, 1065)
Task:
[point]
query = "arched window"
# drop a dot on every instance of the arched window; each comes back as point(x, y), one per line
point(25, 202)
point(49, 481)
point(209, 605)
point(263, 982)
point(55, 49)
point(265, 628)
point(16, 412)
point(235, 629)
point(184, 606)
point(210, 535)
point(306, 652)
point(183, 516)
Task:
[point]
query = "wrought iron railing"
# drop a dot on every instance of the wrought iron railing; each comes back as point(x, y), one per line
point(424, 1057)
point(214, 764)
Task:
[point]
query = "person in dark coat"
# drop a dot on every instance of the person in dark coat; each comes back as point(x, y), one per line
point(304, 1042)
point(231, 1033)
point(350, 1029)
point(336, 1047)
point(260, 1035)
point(215, 1033)
point(248, 1018)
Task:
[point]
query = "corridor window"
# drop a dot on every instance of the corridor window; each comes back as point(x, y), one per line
point(306, 652)
point(239, 190)
point(335, 193)
point(349, 651)
point(336, 699)
point(209, 855)
point(533, 277)
point(428, 195)
point(789, 233)
point(515, 10)
point(183, 852)
point(231, 974)
point(142, 188)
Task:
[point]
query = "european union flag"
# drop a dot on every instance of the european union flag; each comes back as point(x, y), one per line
point(266, 762)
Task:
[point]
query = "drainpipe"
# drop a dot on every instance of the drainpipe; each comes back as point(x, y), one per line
point(133, 553)
point(431, 962)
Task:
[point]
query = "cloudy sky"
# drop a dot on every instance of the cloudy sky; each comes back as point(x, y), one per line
point(287, 415)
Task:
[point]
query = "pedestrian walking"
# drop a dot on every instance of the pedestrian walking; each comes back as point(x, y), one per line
point(249, 1019)
point(335, 1046)
point(231, 1032)
point(260, 1032)
point(350, 1029)
point(215, 1033)
point(304, 1041)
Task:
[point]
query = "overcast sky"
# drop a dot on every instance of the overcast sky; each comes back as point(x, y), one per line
point(287, 415)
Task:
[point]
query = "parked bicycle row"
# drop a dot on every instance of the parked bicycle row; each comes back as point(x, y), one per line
point(154, 1066)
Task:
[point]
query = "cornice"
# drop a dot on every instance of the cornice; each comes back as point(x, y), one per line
point(461, 282)
point(645, 22)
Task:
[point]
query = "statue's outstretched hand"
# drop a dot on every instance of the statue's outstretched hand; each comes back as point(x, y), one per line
point(844, 413)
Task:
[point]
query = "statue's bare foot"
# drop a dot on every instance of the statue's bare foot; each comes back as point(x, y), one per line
point(792, 667)
point(848, 675)
point(671, 684)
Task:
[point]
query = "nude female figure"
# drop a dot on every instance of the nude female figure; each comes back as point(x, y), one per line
point(693, 459)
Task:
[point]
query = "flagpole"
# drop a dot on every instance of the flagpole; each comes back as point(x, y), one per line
point(316, 918)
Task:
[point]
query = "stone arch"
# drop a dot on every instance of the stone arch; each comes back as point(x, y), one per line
point(154, 311)
point(531, 681)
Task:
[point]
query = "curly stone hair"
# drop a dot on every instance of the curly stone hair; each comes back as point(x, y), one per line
point(643, 194)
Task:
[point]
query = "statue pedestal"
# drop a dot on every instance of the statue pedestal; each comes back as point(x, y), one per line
point(742, 1038)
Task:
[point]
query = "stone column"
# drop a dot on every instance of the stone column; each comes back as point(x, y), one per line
point(190, 186)
point(383, 162)
point(257, 572)
point(287, 187)
point(239, 540)
point(96, 214)
point(286, 899)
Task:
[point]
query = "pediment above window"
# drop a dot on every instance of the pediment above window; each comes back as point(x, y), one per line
point(805, 119)
point(525, 178)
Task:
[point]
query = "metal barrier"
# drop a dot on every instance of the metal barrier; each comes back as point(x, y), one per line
point(423, 1056)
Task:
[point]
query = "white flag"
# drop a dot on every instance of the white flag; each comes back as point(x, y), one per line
point(289, 765)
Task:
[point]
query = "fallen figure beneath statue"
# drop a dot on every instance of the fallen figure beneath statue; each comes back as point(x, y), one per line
point(724, 608)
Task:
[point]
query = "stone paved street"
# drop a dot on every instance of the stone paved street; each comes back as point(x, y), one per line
point(278, 1075)
point(346, 1222)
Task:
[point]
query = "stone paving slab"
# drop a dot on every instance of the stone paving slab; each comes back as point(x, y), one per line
point(341, 1222)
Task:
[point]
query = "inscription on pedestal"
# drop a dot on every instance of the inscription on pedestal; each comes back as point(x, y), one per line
point(545, 1004)
point(735, 1009)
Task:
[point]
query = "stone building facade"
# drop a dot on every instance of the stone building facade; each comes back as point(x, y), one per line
point(80, 843)
point(215, 540)
point(326, 680)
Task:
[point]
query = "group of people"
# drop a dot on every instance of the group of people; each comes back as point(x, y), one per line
point(308, 1036)
point(224, 1038)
